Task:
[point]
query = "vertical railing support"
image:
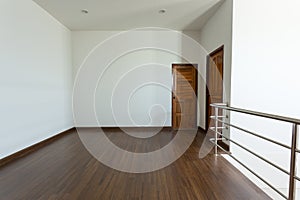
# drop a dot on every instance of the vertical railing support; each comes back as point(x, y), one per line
point(292, 181)
point(216, 129)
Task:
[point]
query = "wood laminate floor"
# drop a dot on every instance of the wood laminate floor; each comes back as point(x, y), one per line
point(65, 170)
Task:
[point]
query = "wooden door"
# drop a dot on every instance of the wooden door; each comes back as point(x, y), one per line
point(184, 96)
point(214, 81)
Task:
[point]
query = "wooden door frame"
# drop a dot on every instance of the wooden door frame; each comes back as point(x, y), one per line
point(196, 90)
point(221, 48)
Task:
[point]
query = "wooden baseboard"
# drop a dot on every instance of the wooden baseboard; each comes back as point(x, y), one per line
point(33, 148)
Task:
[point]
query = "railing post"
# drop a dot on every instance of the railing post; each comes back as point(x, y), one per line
point(216, 130)
point(292, 182)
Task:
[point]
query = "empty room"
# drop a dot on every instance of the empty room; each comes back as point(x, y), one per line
point(137, 99)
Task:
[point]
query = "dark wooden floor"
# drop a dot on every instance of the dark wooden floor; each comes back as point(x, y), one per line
point(65, 170)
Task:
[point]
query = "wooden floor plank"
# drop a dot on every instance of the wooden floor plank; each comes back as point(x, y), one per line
point(65, 170)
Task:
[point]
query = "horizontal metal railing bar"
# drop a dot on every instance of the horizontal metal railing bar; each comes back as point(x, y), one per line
point(214, 117)
point(255, 134)
point(213, 128)
point(212, 140)
point(250, 170)
point(255, 154)
point(219, 139)
point(259, 114)
point(297, 178)
point(296, 122)
point(220, 104)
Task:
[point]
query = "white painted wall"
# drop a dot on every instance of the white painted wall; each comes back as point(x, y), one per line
point(265, 77)
point(122, 77)
point(217, 32)
point(35, 78)
point(201, 115)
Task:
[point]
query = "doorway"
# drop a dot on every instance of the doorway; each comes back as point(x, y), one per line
point(184, 96)
point(214, 82)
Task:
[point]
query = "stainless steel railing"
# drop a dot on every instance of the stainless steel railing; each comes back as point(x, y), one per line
point(293, 148)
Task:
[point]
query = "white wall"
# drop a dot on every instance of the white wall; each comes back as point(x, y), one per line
point(217, 32)
point(35, 78)
point(201, 115)
point(122, 76)
point(265, 77)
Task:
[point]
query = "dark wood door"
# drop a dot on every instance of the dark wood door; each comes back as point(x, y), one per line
point(184, 96)
point(214, 81)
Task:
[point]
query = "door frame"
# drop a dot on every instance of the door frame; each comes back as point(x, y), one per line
point(196, 90)
point(221, 48)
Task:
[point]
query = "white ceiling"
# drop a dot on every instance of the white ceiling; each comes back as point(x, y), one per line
point(128, 14)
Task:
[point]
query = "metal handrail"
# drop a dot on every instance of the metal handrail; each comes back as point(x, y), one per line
point(254, 134)
point(255, 113)
point(293, 147)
